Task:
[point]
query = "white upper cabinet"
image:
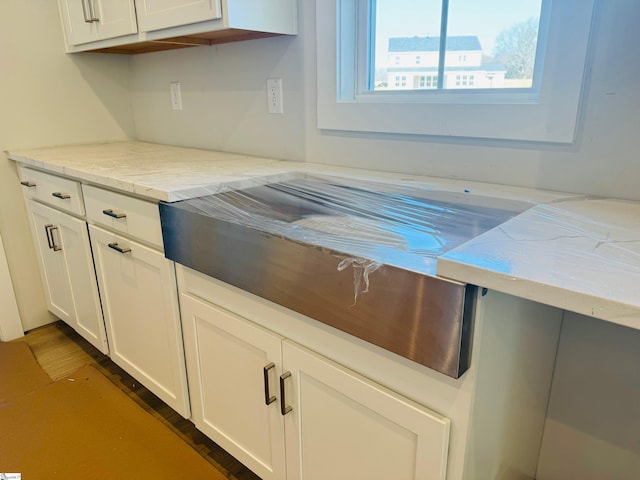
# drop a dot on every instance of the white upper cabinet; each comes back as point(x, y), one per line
point(141, 26)
point(158, 14)
point(88, 21)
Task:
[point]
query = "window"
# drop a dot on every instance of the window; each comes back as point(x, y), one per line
point(501, 36)
point(478, 92)
point(427, 81)
point(400, 81)
point(464, 81)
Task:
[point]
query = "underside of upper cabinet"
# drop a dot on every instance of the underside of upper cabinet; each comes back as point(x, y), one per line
point(209, 38)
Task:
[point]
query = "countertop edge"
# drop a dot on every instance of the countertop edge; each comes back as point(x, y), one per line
point(609, 310)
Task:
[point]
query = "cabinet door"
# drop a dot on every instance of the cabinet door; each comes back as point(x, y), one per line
point(343, 426)
point(67, 271)
point(91, 20)
point(114, 18)
point(140, 305)
point(51, 257)
point(77, 22)
point(158, 14)
point(84, 288)
point(233, 369)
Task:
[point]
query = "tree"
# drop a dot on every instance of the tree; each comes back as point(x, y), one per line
point(516, 48)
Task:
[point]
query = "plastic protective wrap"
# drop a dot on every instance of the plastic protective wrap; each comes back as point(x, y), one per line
point(371, 223)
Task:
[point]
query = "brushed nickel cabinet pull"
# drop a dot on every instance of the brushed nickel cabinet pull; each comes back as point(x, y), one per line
point(268, 398)
point(56, 248)
point(50, 240)
point(119, 249)
point(110, 213)
point(48, 232)
point(92, 12)
point(27, 183)
point(61, 196)
point(87, 19)
point(284, 408)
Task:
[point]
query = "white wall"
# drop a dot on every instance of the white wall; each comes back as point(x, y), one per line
point(224, 97)
point(48, 98)
point(10, 323)
point(592, 431)
point(225, 108)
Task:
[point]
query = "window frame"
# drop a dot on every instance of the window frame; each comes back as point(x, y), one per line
point(544, 114)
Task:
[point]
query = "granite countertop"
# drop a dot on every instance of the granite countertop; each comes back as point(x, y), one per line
point(573, 252)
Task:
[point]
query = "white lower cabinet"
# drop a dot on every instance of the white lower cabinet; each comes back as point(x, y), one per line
point(53, 266)
point(287, 412)
point(343, 426)
point(230, 369)
point(66, 267)
point(359, 411)
point(138, 290)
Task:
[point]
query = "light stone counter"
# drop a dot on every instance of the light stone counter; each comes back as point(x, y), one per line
point(581, 255)
point(568, 251)
point(167, 173)
point(154, 171)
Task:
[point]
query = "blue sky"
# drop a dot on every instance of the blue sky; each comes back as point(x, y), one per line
point(484, 18)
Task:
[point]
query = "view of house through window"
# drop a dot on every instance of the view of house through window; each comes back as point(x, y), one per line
point(489, 44)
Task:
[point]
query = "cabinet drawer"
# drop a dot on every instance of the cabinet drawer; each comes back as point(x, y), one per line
point(56, 191)
point(131, 216)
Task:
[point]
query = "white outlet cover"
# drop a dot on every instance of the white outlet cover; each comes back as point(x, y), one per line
point(274, 95)
point(176, 96)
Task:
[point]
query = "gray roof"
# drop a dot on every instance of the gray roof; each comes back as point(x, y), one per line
point(432, 44)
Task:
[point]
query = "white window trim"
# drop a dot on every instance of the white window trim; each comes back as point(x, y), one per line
point(549, 117)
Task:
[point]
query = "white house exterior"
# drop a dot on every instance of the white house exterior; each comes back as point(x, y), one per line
point(412, 64)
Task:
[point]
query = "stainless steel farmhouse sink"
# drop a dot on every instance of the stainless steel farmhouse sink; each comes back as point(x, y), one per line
point(359, 256)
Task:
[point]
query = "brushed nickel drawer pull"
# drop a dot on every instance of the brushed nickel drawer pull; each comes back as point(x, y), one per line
point(61, 196)
point(119, 249)
point(110, 213)
point(284, 408)
point(268, 398)
point(27, 183)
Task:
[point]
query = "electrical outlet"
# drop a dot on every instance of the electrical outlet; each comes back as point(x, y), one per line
point(176, 96)
point(274, 95)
